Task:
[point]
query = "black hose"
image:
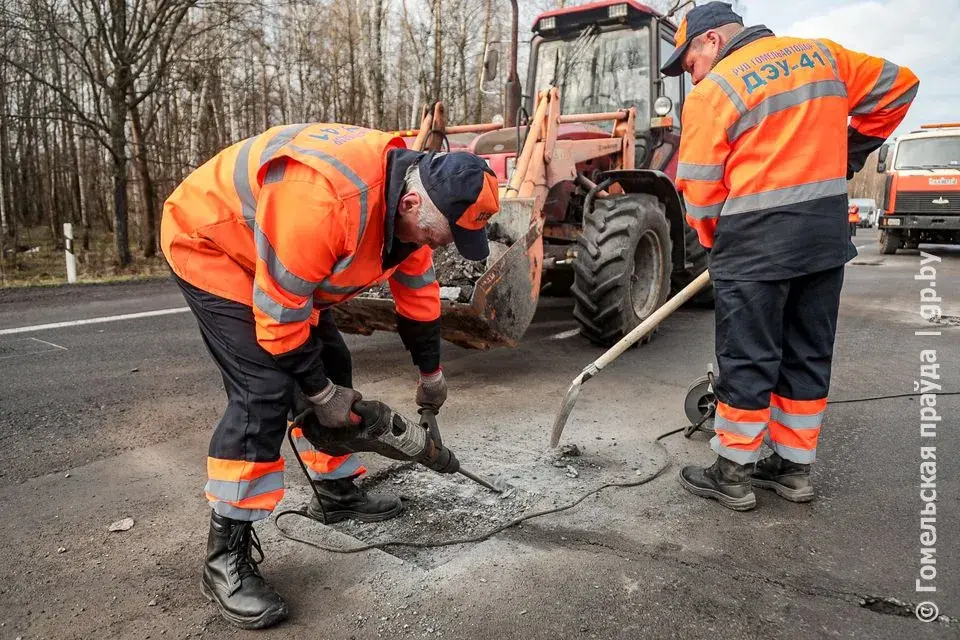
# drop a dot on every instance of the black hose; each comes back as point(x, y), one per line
point(588, 201)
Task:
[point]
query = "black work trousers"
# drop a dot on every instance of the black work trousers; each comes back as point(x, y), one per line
point(244, 463)
point(774, 342)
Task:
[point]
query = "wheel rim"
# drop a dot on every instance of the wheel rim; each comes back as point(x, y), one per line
point(644, 291)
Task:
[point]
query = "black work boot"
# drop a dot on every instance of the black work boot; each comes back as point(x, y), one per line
point(791, 480)
point(232, 580)
point(342, 499)
point(724, 481)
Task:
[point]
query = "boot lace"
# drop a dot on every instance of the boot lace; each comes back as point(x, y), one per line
point(243, 539)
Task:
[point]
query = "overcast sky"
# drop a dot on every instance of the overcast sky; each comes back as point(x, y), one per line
point(921, 34)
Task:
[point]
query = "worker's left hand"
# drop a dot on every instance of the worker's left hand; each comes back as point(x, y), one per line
point(432, 390)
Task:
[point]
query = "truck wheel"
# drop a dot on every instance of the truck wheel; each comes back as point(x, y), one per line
point(622, 269)
point(890, 241)
point(697, 255)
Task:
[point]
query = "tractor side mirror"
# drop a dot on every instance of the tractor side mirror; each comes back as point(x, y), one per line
point(491, 62)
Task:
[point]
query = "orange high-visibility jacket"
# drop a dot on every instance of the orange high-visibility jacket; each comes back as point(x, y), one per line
point(766, 152)
point(293, 221)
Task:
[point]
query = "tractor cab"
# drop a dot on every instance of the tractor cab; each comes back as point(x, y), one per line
point(588, 207)
point(603, 57)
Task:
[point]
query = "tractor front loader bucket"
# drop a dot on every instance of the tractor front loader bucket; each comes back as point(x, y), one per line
point(504, 298)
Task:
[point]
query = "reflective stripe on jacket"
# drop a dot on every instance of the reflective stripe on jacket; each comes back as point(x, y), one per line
point(291, 221)
point(764, 157)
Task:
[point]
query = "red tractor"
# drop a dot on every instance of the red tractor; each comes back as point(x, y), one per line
point(588, 203)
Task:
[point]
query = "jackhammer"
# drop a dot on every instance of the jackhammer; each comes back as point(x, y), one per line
point(387, 433)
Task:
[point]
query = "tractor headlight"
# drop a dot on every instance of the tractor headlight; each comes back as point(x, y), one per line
point(547, 24)
point(662, 106)
point(617, 11)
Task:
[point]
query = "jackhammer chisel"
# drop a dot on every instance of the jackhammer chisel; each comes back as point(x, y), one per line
point(390, 434)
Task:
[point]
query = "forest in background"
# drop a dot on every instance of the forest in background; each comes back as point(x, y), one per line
point(106, 105)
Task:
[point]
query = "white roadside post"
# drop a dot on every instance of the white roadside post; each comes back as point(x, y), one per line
point(68, 251)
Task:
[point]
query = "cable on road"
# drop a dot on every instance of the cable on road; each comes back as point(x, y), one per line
point(473, 539)
point(520, 520)
point(888, 397)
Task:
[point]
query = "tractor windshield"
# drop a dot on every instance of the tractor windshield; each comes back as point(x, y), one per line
point(599, 71)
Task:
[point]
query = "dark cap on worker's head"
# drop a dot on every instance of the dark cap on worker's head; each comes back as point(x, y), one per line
point(465, 190)
point(698, 21)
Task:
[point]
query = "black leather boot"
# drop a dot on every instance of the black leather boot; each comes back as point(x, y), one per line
point(232, 580)
point(342, 499)
point(791, 480)
point(724, 481)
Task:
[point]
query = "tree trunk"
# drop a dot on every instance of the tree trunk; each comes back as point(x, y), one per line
point(488, 12)
point(118, 153)
point(4, 145)
point(378, 62)
point(462, 58)
point(148, 191)
point(437, 50)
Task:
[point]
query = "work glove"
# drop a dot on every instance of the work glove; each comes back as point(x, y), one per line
point(432, 390)
point(333, 407)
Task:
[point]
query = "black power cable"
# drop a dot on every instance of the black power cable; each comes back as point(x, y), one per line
point(479, 538)
point(516, 521)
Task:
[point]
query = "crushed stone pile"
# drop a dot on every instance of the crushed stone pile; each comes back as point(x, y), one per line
point(456, 275)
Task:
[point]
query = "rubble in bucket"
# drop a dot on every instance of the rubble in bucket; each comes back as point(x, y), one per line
point(456, 275)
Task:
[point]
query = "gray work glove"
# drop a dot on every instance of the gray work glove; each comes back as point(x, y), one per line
point(333, 407)
point(432, 390)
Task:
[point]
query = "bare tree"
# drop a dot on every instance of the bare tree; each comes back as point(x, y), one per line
point(122, 50)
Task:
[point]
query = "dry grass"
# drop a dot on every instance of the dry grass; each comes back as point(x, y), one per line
point(44, 262)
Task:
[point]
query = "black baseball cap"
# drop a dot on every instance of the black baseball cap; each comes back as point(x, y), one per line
point(698, 21)
point(464, 188)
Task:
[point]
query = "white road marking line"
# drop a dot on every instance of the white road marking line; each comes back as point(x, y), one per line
point(49, 343)
point(101, 320)
point(563, 335)
point(44, 347)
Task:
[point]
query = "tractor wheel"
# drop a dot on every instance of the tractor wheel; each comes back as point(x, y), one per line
point(890, 241)
point(622, 269)
point(697, 255)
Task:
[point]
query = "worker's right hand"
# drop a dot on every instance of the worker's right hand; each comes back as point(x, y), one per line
point(333, 407)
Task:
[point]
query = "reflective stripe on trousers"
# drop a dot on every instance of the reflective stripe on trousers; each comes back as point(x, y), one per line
point(790, 427)
point(795, 427)
point(321, 466)
point(739, 433)
point(243, 490)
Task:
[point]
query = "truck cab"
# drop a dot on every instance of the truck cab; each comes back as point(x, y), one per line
point(921, 197)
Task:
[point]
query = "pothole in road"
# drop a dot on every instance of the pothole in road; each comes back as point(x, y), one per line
point(893, 607)
point(450, 507)
point(945, 321)
point(436, 508)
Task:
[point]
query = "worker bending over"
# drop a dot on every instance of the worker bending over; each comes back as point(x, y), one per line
point(265, 239)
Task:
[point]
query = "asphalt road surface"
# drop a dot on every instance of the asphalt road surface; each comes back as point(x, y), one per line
point(103, 421)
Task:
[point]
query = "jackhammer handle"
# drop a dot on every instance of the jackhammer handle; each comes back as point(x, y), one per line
point(651, 323)
point(428, 419)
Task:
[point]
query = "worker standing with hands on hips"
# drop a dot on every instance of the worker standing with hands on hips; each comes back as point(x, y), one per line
point(765, 156)
point(264, 239)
